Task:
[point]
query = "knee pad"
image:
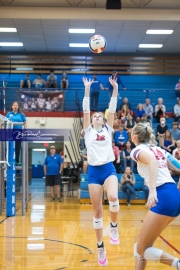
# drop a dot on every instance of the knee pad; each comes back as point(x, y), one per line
point(114, 206)
point(136, 255)
point(153, 254)
point(97, 223)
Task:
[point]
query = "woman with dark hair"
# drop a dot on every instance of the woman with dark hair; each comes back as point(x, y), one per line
point(15, 115)
point(128, 161)
point(168, 142)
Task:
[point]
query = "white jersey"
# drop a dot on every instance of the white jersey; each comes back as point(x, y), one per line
point(164, 175)
point(99, 145)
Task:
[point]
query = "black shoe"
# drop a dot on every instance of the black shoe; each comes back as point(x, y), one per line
point(128, 204)
point(52, 199)
point(136, 196)
point(59, 199)
point(106, 202)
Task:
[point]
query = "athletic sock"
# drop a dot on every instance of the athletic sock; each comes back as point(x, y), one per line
point(100, 244)
point(113, 224)
point(174, 263)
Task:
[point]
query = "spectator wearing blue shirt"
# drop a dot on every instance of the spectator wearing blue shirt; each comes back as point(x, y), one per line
point(15, 115)
point(95, 87)
point(53, 166)
point(139, 112)
point(121, 137)
point(110, 87)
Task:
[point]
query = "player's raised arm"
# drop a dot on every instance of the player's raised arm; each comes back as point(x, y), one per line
point(86, 103)
point(113, 102)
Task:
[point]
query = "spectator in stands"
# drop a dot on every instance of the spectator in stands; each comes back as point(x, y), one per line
point(145, 189)
point(39, 82)
point(85, 163)
point(177, 90)
point(116, 162)
point(94, 97)
point(128, 161)
point(128, 182)
point(126, 102)
point(121, 137)
point(124, 113)
point(116, 122)
point(26, 83)
point(148, 109)
point(168, 142)
point(15, 115)
point(51, 80)
point(176, 152)
point(82, 141)
point(175, 131)
point(64, 81)
point(118, 80)
point(106, 112)
point(139, 112)
point(177, 111)
point(144, 119)
point(53, 167)
point(41, 103)
point(161, 129)
point(130, 123)
point(160, 110)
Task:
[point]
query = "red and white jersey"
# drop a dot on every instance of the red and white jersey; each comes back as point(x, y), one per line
point(99, 145)
point(164, 175)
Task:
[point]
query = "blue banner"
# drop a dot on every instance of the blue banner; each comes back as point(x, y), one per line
point(11, 182)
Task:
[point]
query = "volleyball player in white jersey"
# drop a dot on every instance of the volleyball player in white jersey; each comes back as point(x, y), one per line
point(100, 156)
point(164, 197)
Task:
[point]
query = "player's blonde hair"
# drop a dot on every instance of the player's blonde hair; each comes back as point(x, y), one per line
point(145, 133)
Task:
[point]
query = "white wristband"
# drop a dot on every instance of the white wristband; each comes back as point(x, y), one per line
point(113, 105)
point(86, 107)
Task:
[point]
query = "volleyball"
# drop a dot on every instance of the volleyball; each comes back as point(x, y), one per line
point(97, 44)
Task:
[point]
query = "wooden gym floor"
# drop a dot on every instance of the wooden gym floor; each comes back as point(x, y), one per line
point(57, 236)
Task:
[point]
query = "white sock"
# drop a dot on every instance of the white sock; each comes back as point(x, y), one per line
point(114, 224)
point(99, 243)
point(174, 263)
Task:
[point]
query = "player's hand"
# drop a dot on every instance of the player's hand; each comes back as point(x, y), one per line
point(87, 83)
point(152, 199)
point(113, 82)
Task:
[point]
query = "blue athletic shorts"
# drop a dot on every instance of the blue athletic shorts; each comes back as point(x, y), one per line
point(168, 200)
point(98, 174)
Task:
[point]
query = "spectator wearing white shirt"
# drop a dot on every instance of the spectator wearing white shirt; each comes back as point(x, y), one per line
point(148, 109)
point(177, 111)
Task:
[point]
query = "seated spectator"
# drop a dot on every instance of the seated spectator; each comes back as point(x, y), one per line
point(145, 189)
point(125, 102)
point(144, 119)
point(160, 110)
point(82, 141)
point(123, 114)
point(116, 162)
point(116, 122)
point(41, 103)
point(51, 80)
point(139, 112)
point(130, 123)
point(148, 109)
point(128, 182)
point(64, 81)
point(85, 163)
point(128, 161)
point(39, 82)
point(175, 131)
point(177, 90)
point(177, 111)
point(121, 137)
point(106, 112)
point(118, 80)
point(168, 142)
point(176, 151)
point(26, 83)
point(95, 91)
point(161, 129)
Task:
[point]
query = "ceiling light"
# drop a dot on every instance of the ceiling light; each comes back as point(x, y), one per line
point(159, 32)
point(25, 68)
point(150, 46)
point(82, 31)
point(39, 150)
point(11, 44)
point(3, 29)
point(43, 141)
point(85, 45)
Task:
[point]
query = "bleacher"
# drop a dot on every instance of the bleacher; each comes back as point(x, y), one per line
point(85, 197)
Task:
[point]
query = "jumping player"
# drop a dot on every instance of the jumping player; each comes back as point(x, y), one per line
point(164, 197)
point(100, 156)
